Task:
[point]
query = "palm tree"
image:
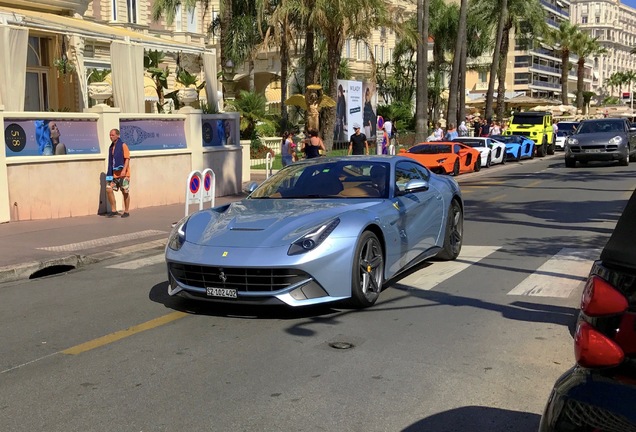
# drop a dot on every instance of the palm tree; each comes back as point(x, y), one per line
point(421, 99)
point(584, 46)
point(337, 21)
point(565, 38)
point(451, 115)
point(499, 40)
point(630, 78)
point(444, 19)
point(253, 109)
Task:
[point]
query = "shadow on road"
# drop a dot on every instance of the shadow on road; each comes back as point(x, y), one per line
point(477, 419)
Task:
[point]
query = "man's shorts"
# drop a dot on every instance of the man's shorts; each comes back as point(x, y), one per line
point(122, 183)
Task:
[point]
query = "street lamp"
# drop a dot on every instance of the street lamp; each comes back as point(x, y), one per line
point(228, 80)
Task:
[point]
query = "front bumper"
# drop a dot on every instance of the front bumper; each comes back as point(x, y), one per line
point(595, 152)
point(584, 400)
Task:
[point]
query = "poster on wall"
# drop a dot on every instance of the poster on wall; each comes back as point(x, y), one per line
point(153, 134)
point(49, 137)
point(369, 110)
point(348, 109)
point(220, 130)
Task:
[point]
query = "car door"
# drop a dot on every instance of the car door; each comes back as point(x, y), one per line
point(465, 157)
point(419, 214)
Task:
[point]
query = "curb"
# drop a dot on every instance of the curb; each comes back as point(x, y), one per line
point(26, 270)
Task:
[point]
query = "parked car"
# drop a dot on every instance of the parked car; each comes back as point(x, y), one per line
point(319, 230)
point(566, 128)
point(492, 152)
point(445, 157)
point(605, 139)
point(536, 125)
point(517, 146)
point(599, 392)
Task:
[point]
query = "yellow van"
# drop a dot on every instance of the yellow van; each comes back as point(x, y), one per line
point(536, 125)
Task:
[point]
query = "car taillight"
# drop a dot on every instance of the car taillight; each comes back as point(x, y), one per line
point(593, 349)
point(600, 298)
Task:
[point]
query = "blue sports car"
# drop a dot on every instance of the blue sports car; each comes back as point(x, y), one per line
point(517, 146)
point(319, 230)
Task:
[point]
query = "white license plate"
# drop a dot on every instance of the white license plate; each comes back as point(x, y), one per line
point(593, 150)
point(221, 292)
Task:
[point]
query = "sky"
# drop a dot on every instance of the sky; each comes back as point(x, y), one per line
point(630, 3)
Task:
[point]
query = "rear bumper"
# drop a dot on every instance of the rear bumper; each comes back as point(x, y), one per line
point(582, 400)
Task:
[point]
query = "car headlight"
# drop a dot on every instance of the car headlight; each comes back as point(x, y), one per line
point(177, 236)
point(439, 161)
point(616, 140)
point(573, 141)
point(312, 239)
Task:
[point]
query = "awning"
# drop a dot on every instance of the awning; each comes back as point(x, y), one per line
point(59, 24)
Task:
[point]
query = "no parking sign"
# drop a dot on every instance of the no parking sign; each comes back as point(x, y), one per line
point(208, 186)
point(194, 189)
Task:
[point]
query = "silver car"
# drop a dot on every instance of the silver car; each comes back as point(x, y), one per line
point(606, 139)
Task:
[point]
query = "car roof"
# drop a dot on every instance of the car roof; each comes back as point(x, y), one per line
point(620, 249)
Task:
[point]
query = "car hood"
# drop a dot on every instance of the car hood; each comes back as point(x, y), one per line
point(266, 222)
point(597, 137)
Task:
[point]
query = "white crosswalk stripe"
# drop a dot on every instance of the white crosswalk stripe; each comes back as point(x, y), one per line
point(139, 263)
point(560, 275)
point(428, 277)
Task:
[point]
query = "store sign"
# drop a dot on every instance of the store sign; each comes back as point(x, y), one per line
point(48, 137)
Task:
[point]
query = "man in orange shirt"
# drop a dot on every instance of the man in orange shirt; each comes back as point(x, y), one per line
point(118, 175)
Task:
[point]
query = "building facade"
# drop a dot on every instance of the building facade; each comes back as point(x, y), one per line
point(614, 24)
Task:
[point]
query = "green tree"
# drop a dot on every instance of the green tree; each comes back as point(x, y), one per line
point(565, 40)
point(153, 60)
point(421, 100)
point(584, 46)
point(452, 113)
point(253, 109)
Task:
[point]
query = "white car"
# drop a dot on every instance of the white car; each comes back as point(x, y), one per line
point(565, 130)
point(491, 151)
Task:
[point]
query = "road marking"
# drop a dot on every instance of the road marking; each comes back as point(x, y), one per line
point(139, 263)
point(436, 273)
point(560, 275)
point(118, 335)
point(533, 184)
point(496, 198)
point(105, 241)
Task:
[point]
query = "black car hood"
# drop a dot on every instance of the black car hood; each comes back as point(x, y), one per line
point(620, 250)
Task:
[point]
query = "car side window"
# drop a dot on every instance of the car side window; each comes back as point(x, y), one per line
point(456, 148)
point(405, 172)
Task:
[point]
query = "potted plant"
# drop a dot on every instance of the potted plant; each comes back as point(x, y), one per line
point(190, 91)
point(99, 89)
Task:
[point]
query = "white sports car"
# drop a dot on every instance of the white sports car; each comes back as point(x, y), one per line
point(491, 151)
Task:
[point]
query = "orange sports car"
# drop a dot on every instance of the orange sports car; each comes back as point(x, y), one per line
point(445, 157)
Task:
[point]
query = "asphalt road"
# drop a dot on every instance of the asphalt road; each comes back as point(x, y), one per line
point(471, 346)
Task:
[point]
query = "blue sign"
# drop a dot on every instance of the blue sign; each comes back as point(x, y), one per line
point(195, 184)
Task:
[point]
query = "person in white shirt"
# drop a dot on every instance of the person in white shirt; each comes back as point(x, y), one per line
point(388, 128)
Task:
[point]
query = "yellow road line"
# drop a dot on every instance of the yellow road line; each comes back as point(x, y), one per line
point(113, 337)
point(532, 184)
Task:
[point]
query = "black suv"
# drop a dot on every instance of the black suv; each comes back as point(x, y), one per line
point(599, 393)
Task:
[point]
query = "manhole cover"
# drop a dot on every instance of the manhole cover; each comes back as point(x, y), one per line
point(341, 345)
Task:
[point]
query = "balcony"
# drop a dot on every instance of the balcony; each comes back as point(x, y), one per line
point(65, 7)
point(545, 84)
point(555, 9)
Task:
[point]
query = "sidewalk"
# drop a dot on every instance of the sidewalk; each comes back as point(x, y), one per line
point(27, 247)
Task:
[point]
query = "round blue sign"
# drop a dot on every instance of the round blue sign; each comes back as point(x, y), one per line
point(195, 184)
point(207, 181)
point(380, 122)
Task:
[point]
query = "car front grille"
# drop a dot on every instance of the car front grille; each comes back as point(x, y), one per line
point(238, 278)
point(584, 415)
point(600, 148)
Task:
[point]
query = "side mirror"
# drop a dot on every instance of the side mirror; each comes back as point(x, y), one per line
point(251, 187)
point(415, 186)
point(632, 129)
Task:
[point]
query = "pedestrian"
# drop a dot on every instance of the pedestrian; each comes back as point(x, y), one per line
point(358, 144)
point(118, 175)
point(451, 132)
point(385, 141)
point(477, 127)
point(438, 133)
point(462, 130)
point(495, 129)
point(485, 128)
point(313, 145)
point(287, 149)
point(388, 128)
point(555, 129)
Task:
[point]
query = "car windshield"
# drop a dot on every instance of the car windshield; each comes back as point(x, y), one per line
point(472, 143)
point(431, 149)
point(331, 179)
point(507, 138)
point(527, 119)
point(600, 126)
point(567, 127)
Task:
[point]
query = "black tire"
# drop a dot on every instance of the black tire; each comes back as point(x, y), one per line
point(541, 149)
point(367, 273)
point(532, 151)
point(454, 234)
point(504, 159)
point(625, 160)
point(456, 167)
point(489, 161)
point(551, 146)
point(477, 166)
point(570, 163)
point(518, 158)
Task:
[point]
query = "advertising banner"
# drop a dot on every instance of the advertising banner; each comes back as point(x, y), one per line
point(369, 113)
point(220, 130)
point(49, 137)
point(153, 134)
point(349, 109)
